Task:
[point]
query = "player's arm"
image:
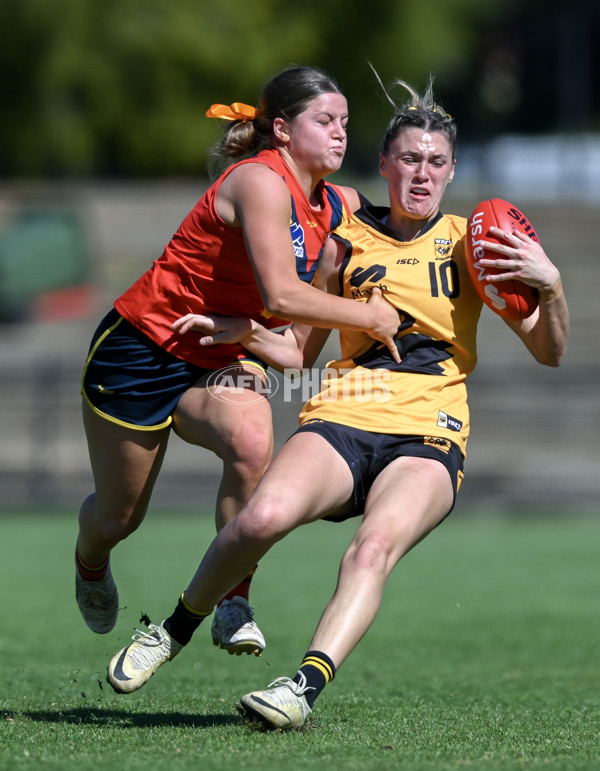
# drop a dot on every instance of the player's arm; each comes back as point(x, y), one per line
point(293, 348)
point(261, 202)
point(303, 342)
point(296, 347)
point(278, 349)
point(311, 340)
point(545, 332)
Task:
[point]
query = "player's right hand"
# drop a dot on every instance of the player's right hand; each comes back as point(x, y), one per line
point(213, 329)
point(385, 322)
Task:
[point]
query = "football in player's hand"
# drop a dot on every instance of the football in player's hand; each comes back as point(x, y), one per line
point(510, 299)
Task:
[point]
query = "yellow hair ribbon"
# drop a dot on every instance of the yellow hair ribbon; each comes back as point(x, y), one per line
point(235, 111)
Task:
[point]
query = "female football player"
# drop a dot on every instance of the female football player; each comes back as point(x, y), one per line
point(383, 440)
point(249, 248)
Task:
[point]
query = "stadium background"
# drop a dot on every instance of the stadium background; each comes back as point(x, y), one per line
point(83, 210)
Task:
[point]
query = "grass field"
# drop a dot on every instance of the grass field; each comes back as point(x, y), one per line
point(485, 654)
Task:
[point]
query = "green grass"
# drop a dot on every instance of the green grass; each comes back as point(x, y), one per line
point(485, 653)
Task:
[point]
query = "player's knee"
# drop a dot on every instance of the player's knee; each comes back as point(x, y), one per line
point(114, 529)
point(371, 553)
point(251, 452)
point(261, 521)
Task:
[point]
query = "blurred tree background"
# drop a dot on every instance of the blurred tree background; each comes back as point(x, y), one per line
point(118, 88)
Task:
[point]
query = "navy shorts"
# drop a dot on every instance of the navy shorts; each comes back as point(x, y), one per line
point(131, 380)
point(367, 453)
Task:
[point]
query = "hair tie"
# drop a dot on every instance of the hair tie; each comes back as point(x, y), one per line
point(436, 109)
point(236, 111)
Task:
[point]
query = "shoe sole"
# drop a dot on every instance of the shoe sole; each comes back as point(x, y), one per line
point(258, 720)
point(121, 688)
point(255, 719)
point(237, 649)
point(105, 629)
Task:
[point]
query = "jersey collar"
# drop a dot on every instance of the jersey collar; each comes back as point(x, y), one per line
point(373, 216)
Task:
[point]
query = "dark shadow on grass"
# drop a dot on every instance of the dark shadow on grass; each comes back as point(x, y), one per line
point(123, 719)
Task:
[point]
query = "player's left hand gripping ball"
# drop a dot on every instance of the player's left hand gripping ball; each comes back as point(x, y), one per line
point(510, 299)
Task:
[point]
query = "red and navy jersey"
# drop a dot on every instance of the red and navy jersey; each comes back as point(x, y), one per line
point(307, 240)
point(205, 268)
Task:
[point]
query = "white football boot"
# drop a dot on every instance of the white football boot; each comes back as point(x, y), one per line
point(133, 666)
point(234, 629)
point(98, 602)
point(281, 706)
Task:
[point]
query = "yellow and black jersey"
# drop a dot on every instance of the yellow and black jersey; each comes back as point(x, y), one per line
point(427, 281)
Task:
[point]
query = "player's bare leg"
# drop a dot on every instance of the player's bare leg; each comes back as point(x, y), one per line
point(125, 464)
point(236, 424)
point(407, 500)
point(281, 502)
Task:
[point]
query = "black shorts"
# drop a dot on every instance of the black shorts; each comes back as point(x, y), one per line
point(367, 453)
point(131, 380)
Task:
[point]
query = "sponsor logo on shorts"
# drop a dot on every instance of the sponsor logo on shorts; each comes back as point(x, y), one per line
point(104, 390)
point(447, 421)
point(438, 442)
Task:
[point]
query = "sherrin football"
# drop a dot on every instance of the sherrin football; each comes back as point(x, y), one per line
point(509, 299)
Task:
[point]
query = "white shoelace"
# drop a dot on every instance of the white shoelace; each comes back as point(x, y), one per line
point(146, 654)
point(298, 689)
